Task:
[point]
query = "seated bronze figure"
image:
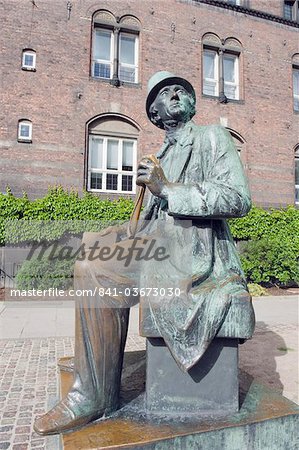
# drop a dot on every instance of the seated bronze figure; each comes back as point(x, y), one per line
point(195, 182)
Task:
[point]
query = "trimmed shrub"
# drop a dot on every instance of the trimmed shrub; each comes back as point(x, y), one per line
point(58, 213)
point(270, 253)
point(259, 223)
point(272, 260)
point(44, 273)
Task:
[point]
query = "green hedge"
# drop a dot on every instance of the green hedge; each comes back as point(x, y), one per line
point(57, 213)
point(271, 261)
point(269, 239)
point(270, 253)
point(44, 273)
point(260, 223)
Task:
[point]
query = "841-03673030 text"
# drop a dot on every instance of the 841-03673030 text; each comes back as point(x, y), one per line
point(101, 292)
point(142, 292)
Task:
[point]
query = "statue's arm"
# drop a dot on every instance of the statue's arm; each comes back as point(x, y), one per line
point(223, 192)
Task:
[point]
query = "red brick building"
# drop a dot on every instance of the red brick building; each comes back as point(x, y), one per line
point(74, 83)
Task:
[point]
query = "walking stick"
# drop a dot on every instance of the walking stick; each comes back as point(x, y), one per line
point(132, 227)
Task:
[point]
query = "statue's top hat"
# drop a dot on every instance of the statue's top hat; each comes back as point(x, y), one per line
point(161, 79)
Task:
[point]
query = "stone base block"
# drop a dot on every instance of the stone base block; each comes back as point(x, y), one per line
point(211, 386)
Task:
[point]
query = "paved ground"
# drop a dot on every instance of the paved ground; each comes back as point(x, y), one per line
point(34, 335)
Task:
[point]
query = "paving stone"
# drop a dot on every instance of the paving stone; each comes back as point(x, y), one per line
point(39, 411)
point(9, 414)
point(4, 445)
point(7, 428)
point(38, 443)
point(5, 437)
point(22, 446)
point(20, 430)
point(25, 421)
point(26, 407)
point(8, 421)
point(35, 436)
point(22, 438)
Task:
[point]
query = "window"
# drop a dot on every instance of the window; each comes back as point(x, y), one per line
point(111, 164)
point(115, 48)
point(112, 156)
point(231, 75)
point(297, 175)
point(25, 131)
point(28, 59)
point(296, 88)
point(221, 71)
point(128, 50)
point(211, 72)
point(103, 49)
point(290, 10)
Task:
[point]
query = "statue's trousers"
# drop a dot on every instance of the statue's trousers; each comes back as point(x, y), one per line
point(101, 328)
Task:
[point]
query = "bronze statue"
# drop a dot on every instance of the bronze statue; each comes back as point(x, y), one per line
point(195, 183)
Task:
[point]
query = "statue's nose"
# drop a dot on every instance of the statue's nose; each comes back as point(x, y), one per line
point(174, 95)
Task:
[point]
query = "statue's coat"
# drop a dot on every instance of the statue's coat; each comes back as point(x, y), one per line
point(209, 186)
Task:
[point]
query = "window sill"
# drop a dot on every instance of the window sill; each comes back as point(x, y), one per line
point(109, 81)
point(131, 85)
point(29, 69)
point(99, 191)
point(114, 196)
point(229, 100)
point(25, 141)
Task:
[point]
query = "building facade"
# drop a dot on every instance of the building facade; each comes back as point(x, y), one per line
point(74, 84)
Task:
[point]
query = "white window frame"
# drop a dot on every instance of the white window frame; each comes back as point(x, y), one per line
point(112, 54)
point(119, 172)
point(216, 72)
point(235, 84)
point(216, 79)
point(28, 124)
point(27, 66)
point(136, 58)
point(295, 10)
point(103, 61)
point(295, 96)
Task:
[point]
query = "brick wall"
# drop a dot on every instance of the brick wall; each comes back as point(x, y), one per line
point(49, 97)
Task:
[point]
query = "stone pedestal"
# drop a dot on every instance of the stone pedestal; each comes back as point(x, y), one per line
point(265, 421)
point(210, 387)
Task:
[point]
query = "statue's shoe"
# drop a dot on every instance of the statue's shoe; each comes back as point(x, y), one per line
point(66, 363)
point(66, 416)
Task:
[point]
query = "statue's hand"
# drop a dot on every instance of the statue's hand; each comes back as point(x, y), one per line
point(151, 174)
point(118, 229)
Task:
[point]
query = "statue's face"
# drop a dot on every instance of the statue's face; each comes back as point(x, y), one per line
point(173, 103)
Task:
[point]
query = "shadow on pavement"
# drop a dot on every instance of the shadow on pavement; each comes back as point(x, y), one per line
point(258, 357)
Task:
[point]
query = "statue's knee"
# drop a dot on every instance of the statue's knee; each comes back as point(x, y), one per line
point(89, 238)
point(81, 267)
